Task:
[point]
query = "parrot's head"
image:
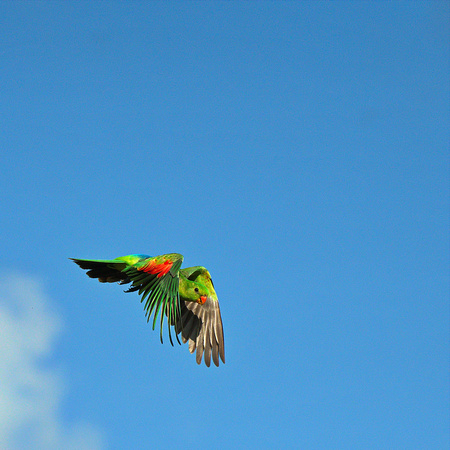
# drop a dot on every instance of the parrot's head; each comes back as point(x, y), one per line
point(194, 292)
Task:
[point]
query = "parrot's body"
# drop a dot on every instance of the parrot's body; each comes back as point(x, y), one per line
point(185, 296)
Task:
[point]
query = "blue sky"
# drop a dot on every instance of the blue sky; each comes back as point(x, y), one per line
point(298, 150)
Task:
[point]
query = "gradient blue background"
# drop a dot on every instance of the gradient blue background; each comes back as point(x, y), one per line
point(299, 151)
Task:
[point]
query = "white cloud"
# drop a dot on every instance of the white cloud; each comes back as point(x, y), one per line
point(30, 392)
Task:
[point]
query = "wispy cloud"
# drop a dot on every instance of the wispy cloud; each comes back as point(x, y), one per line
point(30, 392)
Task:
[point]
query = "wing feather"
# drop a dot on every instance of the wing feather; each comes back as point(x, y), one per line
point(215, 348)
point(207, 341)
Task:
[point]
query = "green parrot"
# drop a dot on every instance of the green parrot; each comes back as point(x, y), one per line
point(185, 296)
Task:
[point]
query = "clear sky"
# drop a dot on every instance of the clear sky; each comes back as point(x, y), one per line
point(298, 150)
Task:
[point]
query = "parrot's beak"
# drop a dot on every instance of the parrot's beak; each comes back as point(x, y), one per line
point(202, 300)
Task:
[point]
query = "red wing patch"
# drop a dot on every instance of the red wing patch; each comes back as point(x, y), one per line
point(157, 268)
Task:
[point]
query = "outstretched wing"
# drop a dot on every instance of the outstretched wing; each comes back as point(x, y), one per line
point(157, 281)
point(201, 325)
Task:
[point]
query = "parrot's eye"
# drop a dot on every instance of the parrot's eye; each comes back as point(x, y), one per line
point(196, 289)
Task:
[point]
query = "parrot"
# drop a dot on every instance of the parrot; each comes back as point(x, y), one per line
point(185, 296)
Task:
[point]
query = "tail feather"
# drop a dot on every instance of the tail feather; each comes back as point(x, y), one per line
point(108, 271)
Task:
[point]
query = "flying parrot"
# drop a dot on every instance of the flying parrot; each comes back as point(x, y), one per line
point(185, 296)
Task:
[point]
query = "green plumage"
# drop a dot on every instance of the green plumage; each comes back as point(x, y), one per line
point(186, 297)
